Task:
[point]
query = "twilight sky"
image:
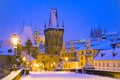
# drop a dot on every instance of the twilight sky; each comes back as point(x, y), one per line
point(78, 15)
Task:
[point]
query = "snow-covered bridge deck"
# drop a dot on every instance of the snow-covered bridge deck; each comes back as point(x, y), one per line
point(62, 76)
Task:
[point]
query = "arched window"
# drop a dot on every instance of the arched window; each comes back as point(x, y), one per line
point(81, 63)
point(81, 57)
point(82, 53)
point(10, 50)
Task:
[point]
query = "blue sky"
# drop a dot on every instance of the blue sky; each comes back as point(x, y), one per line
point(78, 15)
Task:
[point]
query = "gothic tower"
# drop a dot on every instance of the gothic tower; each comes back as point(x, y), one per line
point(36, 36)
point(53, 34)
point(91, 33)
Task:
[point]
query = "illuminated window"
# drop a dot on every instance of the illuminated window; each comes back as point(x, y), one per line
point(9, 50)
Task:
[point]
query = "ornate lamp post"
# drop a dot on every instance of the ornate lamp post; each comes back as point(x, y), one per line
point(14, 40)
point(66, 59)
point(54, 65)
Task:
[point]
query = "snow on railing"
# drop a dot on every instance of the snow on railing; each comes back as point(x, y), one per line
point(12, 75)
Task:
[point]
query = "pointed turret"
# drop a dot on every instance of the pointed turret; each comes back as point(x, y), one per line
point(45, 25)
point(94, 32)
point(27, 34)
point(30, 24)
point(91, 33)
point(99, 32)
point(105, 31)
point(36, 35)
point(23, 23)
point(62, 24)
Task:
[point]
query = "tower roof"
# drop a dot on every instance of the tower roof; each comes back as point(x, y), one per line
point(27, 34)
point(53, 23)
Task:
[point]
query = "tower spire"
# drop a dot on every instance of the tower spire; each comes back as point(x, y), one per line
point(23, 23)
point(105, 31)
point(44, 25)
point(53, 22)
point(30, 24)
point(91, 33)
point(62, 24)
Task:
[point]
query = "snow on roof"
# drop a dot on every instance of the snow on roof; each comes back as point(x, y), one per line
point(27, 34)
point(29, 57)
point(108, 55)
point(101, 45)
point(76, 45)
point(6, 51)
point(98, 45)
point(83, 47)
point(112, 34)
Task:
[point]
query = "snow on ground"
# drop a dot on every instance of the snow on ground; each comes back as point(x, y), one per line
point(62, 76)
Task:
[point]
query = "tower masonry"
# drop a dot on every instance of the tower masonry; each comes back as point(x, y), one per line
point(53, 34)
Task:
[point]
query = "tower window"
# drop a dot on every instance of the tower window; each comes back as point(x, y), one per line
point(81, 57)
point(82, 53)
point(9, 50)
point(81, 63)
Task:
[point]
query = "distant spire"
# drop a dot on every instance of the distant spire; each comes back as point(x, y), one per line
point(105, 30)
point(94, 32)
point(62, 24)
point(23, 23)
point(36, 29)
point(98, 26)
point(49, 22)
point(91, 33)
point(30, 24)
point(40, 32)
point(23, 26)
point(45, 25)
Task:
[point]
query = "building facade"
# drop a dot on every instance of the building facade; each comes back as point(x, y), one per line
point(108, 60)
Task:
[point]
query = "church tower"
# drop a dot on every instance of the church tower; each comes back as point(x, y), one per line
point(53, 34)
point(36, 36)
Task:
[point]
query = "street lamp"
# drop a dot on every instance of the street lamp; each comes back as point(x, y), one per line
point(66, 59)
point(24, 59)
point(54, 65)
point(14, 40)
